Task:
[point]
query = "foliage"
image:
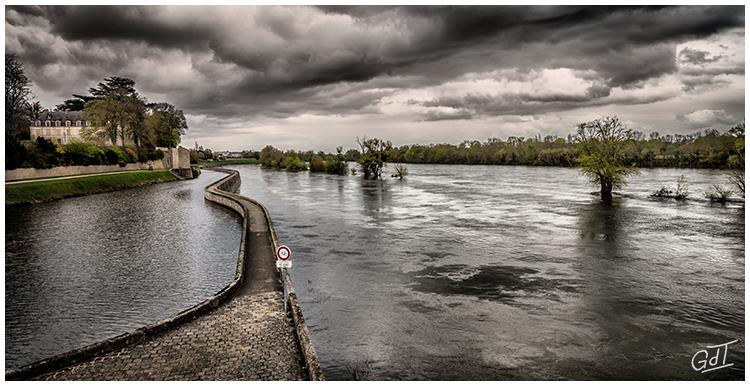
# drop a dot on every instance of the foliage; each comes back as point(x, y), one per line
point(83, 153)
point(235, 161)
point(679, 193)
point(329, 163)
point(737, 160)
point(292, 163)
point(400, 171)
point(708, 149)
point(46, 190)
point(119, 112)
point(601, 143)
point(165, 125)
point(17, 94)
point(43, 153)
point(373, 153)
point(720, 194)
point(15, 152)
point(271, 157)
point(317, 164)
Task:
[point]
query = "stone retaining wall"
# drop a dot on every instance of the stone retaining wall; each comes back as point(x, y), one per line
point(65, 171)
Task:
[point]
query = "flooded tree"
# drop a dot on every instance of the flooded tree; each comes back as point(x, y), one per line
point(602, 143)
point(373, 155)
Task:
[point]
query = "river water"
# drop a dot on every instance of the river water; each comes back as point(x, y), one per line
point(504, 272)
point(84, 269)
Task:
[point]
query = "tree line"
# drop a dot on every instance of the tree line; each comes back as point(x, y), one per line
point(707, 149)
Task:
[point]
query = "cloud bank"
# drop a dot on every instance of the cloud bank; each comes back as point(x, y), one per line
point(316, 77)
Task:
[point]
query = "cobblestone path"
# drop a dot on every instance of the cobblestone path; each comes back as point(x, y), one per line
point(248, 338)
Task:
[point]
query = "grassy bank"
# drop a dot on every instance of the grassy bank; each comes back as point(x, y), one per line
point(53, 189)
point(240, 161)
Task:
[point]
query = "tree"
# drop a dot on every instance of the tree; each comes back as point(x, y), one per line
point(72, 104)
point(373, 154)
point(118, 108)
point(17, 93)
point(737, 161)
point(601, 142)
point(166, 124)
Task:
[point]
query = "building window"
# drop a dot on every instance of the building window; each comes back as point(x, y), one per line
point(38, 123)
point(57, 123)
point(67, 123)
point(78, 123)
point(47, 123)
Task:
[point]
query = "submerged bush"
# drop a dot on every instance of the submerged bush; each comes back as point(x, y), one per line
point(720, 194)
point(317, 164)
point(680, 193)
point(292, 163)
point(400, 171)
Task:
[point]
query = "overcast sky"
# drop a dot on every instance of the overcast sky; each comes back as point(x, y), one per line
point(316, 77)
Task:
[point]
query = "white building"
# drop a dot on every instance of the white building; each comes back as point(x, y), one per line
point(61, 127)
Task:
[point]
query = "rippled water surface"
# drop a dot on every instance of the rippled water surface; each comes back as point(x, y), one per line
point(499, 272)
point(83, 269)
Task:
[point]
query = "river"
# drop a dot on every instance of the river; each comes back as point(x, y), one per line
point(84, 269)
point(510, 272)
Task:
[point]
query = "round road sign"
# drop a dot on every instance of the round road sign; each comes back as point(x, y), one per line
point(283, 252)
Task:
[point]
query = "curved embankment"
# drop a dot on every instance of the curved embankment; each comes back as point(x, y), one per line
point(220, 193)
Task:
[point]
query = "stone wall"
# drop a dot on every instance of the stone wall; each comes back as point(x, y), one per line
point(64, 171)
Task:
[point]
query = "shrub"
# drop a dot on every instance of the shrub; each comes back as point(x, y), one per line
point(317, 165)
point(132, 154)
point(680, 193)
point(41, 154)
point(155, 154)
point(400, 171)
point(719, 194)
point(122, 155)
point(292, 163)
point(83, 153)
point(271, 157)
point(337, 164)
point(111, 157)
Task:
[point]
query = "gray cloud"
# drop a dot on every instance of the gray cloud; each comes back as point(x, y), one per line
point(282, 62)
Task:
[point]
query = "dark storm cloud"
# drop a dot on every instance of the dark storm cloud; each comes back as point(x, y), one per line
point(111, 22)
point(287, 61)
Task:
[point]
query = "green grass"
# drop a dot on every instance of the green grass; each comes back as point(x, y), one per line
point(40, 191)
point(239, 161)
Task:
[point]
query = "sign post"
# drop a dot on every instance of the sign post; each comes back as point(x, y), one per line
point(283, 262)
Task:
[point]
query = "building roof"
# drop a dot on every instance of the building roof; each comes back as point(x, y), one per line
point(60, 116)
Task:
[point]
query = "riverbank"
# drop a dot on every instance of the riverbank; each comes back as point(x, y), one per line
point(57, 188)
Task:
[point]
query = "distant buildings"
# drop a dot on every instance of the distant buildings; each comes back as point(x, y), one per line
point(229, 154)
point(60, 127)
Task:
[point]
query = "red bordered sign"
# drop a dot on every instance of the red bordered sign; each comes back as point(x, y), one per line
point(283, 253)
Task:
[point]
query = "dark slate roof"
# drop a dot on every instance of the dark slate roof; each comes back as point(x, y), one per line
point(60, 116)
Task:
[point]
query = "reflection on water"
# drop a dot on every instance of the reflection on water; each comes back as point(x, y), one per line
point(499, 272)
point(83, 269)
